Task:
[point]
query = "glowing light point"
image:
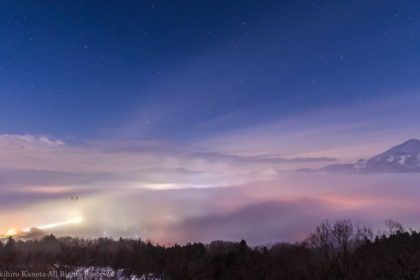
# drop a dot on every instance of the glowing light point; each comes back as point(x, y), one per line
point(11, 232)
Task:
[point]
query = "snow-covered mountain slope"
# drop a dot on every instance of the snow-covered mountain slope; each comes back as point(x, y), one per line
point(399, 159)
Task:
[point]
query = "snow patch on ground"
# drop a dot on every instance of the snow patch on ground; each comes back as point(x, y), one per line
point(102, 273)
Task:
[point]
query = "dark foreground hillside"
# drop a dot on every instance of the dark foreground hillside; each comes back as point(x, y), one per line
point(334, 251)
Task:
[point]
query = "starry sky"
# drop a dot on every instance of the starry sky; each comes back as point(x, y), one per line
point(164, 69)
point(193, 101)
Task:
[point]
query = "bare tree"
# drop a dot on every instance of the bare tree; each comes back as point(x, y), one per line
point(393, 227)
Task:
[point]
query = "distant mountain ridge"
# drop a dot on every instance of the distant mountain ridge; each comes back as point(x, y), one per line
point(403, 158)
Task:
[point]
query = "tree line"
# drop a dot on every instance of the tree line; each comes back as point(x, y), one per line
point(339, 250)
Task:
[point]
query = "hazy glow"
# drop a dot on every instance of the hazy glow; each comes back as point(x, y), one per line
point(69, 222)
point(10, 232)
point(14, 232)
point(183, 194)
point(55, 225)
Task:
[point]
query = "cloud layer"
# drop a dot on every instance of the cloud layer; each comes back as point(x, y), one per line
point(180, 193)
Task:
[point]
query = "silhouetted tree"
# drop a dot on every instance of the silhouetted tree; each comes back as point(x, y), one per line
point(339, 250)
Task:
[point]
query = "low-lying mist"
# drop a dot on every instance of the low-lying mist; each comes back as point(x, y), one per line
point(282, 207)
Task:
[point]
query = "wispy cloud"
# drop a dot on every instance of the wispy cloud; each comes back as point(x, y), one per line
point(348, 132)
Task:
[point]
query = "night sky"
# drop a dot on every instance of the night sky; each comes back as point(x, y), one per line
point(82, 69)
point(177, 104)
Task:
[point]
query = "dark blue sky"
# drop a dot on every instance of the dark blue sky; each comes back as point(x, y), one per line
point(167, 69)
